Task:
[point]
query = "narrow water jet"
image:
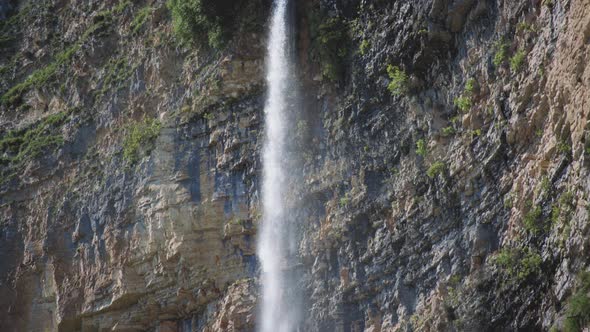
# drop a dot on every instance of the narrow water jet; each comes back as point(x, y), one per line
point(279, 311)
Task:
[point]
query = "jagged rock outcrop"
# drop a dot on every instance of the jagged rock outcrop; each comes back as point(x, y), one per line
point(444, 186)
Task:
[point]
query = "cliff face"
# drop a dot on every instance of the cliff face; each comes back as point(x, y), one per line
point(445, 178)
point(129, 174)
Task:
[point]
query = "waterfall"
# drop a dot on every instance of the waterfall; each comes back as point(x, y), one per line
point(279, 310)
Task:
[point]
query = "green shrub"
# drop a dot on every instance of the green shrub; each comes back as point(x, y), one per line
point(555, 213)
point(344, 201)
point(215, 37)
point(523, 26)
point(364, 47)
point(501, 53)
point(584, 281)
point(563, 208)
point(564, 147)
point(448, 131)
point(505, 258)
point(463, 103)
point(470, 86)
point(331, 43)
point(530, 264)
point(139, 139)
point(578, 305)
point(399, 80)
point(518, 264)
point(578, 313)
point(516, 61)
point(436, 169)
point(531, 220)
point(567, 199)
point(475, 133)
point(198, 20)
point(421, 149)
point(561, 213)
point(544, 186)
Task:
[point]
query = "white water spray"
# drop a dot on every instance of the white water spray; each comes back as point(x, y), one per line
point(279, 312)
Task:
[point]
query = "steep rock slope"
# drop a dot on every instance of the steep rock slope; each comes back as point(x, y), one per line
point(444, 184)
point(129, 168)
point(457, 200)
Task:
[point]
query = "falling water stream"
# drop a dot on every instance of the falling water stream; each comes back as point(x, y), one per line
point(279, 311)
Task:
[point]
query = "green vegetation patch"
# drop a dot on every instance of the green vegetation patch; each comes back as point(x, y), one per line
point(43, 75)
point(117, 71)
point(196, 20)
point(501, 53)
point(332, 42)
point(399, 80)
point(544, 186)
point(39, 77)
point(101, 21)
point(561, 213)
point(517, 60)
point(518, 264)
point(448, 131)
point(22, 145)
point(525, 27)
point(140, 18)
point(421, 148)
point(436, 169)
point(364, 47)
point(140, 139)
point(532, 220)
point(563, 209)
point(344, 201)
point(120, 8)
point(463, 103)
point(564, 147)
point(470, 86)
point(578, 305)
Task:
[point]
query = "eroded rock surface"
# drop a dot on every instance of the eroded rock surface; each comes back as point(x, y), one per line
point(455, 199)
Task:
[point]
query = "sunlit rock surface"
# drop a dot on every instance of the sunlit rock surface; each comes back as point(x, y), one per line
point(130, 166)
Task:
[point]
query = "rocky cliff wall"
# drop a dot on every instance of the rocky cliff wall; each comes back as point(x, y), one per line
point(444, 185)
